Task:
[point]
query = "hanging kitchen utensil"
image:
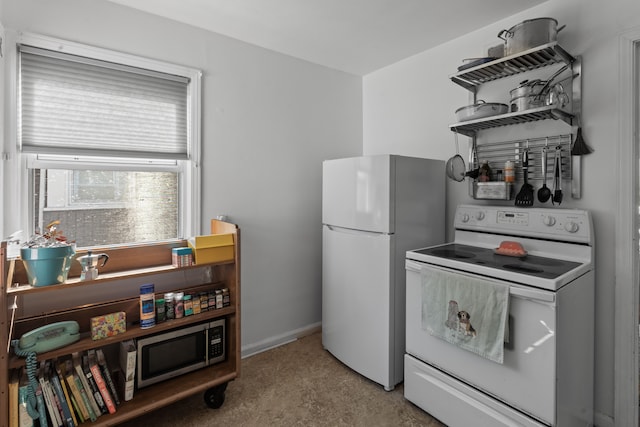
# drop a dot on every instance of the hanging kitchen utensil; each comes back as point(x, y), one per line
point(525, 195)
point(474, 168)
point(579, 146)
point(544, 193)
point(455, 165)
point(578, 149)
point(557, 177)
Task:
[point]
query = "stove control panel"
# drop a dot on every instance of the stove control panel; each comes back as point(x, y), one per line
point(556, 224)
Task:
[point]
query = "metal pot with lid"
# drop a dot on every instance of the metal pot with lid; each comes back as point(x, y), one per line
point(528, 87)
point(529, 34)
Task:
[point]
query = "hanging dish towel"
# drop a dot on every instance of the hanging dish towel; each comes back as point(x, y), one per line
point(466, 311)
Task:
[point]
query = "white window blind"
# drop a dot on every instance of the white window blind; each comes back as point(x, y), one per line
point(75, 105)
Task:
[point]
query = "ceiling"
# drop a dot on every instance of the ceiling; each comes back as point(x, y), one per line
point(355, 36)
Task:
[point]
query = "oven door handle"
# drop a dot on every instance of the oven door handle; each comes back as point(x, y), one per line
point(521, 292)
point(532, 294)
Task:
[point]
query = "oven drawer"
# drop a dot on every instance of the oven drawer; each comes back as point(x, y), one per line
point(455, 403)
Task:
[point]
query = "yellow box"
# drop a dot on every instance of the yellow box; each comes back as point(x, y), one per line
point(212, 248)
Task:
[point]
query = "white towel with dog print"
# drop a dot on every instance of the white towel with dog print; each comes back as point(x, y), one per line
point(465, 310)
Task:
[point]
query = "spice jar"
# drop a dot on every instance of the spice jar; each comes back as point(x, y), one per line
point(485, 172)
point(169, 305)
point(509, 171)
point(179, 306)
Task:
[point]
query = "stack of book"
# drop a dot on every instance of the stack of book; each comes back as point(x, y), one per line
point(74, 389)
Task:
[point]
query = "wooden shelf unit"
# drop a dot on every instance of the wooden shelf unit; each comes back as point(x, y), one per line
point(126, 263)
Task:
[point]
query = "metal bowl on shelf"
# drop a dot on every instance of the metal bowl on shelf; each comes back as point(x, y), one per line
point(480, 110)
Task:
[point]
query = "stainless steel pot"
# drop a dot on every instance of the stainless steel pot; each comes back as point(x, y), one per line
point(528, 87)
point(480, 110)
point(529, 34)
point(527, 102)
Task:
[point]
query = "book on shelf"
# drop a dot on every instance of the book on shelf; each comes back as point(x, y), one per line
point(100, 382)
point(106, 374)
point(84, 395)
point(47, 393)
point(67, 395)
point(24, 419)
point(62, 400)
point(74, 393)
point(41, 407)
point(128, 367)
point(77, 365)
point(92, 384)
point(57, 396)
point(14, 416)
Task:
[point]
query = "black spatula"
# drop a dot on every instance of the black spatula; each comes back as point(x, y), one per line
point(525, 195)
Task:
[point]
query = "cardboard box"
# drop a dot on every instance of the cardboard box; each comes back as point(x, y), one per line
point(181, 257)
point(212, 248)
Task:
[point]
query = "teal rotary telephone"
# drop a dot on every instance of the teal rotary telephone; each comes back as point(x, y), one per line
point(41, 340)
point(48, 337)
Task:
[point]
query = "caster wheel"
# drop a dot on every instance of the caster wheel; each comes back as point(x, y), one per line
point(214, 397)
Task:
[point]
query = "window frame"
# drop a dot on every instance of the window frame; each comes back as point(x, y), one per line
point(18, 191)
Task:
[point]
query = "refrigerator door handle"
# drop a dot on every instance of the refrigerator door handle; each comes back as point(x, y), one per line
point(352, 231)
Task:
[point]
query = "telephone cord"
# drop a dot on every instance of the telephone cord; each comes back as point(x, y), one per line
point(35, 406)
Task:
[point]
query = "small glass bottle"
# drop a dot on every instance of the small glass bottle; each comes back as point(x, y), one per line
point(161, 314)
point(188, 305)
point(179, 307)
point(485, 172)
point(169, 305)
point(509, 172)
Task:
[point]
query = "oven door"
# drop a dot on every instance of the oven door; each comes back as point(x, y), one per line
point(526, 378)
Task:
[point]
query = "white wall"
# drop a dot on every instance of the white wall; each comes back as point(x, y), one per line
point(268, 122)
point(408, 106)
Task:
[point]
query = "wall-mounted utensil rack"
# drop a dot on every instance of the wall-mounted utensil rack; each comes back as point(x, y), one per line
point(497, 153)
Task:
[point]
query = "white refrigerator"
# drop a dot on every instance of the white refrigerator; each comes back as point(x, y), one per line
point(374, 209)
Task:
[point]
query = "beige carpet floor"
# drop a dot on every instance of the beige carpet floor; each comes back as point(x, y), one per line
point(298, 384)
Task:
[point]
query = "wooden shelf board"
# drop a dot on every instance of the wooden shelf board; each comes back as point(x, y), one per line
point(107, 277)
point(150, 399)
point(86, 343)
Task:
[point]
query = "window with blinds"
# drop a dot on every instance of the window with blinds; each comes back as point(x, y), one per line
point(78, 105)
point(109, 144)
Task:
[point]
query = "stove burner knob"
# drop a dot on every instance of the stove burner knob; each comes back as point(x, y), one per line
point(465, 217)
point(571, 227)
point(549, 221)
point(480, 215)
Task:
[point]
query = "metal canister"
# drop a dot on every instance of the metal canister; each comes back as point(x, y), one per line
point(169, 305)
point(147, 306)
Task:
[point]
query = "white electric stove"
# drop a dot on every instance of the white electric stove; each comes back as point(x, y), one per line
point(546, 376)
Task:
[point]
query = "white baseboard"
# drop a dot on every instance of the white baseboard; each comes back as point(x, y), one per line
point(278, 340)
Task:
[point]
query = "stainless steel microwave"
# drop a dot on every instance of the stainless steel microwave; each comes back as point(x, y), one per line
point(175, 352)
